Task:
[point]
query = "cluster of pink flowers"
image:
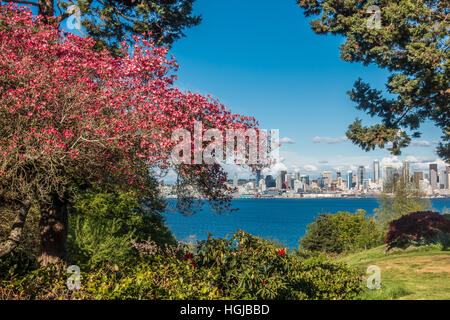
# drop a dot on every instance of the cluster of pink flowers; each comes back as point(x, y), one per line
point(82, 109)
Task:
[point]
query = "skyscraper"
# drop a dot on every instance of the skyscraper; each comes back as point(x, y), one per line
point(433, 176)
point(235, 181)
point(388, 173)
point(406, 170)
point(418, 175)
point(349, 180)
point(283, 179)
point(279, 182)
point(328, 178)
point(361, 174)
point(376, 171)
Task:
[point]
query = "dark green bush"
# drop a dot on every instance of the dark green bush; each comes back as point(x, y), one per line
point(342, 232)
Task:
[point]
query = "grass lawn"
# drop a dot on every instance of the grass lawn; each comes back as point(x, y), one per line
point(412, 274)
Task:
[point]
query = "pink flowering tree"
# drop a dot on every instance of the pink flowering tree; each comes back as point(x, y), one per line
point(71, 117)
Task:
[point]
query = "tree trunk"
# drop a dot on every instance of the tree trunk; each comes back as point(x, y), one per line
point(16, 231)
point(53, 229)
point(45, 8)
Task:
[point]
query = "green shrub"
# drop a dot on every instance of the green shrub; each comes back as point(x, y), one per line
point(103, 225)
point(342, 232)
point(243, 267)
point(247, 267)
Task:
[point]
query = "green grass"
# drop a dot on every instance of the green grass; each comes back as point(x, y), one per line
point(414, 274)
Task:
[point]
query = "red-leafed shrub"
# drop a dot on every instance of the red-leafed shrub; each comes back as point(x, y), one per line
point(416, 227)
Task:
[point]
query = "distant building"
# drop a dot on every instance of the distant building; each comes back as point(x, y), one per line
point(418, 175)
point(433, 176)
point(298, 186)
point(447, 176)
point(388, 173)
point(305, 179)
point(443, 179)
point(376, 171)
point(279, 182)
point(262, 185)
point(328, 178)
point(349, 180)
point(235, 181)
point(270, 182)
point(258, 177)
point(361, 175)
point(406, 170)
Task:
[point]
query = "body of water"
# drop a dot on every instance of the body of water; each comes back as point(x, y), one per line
point(284, 220)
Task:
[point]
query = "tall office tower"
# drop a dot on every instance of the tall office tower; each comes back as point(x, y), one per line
point(433, 176)
point(361, 174)
point(376, 171)
point(305, 179)
point(297, 175)
point(388, 173)
point(418, 175)
point(283, 176)
point(288, 177)
point(328, 178)
point(279, 182)
point(406, 170)
point(235, 181)
point(258, 177)
point(349, 180)
point(443, 179)
point(339, 182)
point(338, 175)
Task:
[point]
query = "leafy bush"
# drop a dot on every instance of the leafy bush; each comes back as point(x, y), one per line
point(243, 267)
point(342, 232)
point(247, 267)
point(103, 226)
point(418, 228)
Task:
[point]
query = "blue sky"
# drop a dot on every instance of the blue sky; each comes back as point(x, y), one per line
point(261, 58)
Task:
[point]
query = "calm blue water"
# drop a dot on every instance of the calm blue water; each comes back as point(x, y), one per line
point(284, 220)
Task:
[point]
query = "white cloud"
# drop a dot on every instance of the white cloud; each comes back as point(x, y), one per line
point(329, 140)
point(420, 143)
point(275, 169)
point(310, 167)
point(287, 140)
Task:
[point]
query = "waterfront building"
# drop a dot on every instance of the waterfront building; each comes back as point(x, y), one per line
point(349, 180)
point(417, 176)
point(361, 175)
point(433, 176)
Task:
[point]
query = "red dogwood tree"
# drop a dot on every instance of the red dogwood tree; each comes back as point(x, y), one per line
point(72, 117)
